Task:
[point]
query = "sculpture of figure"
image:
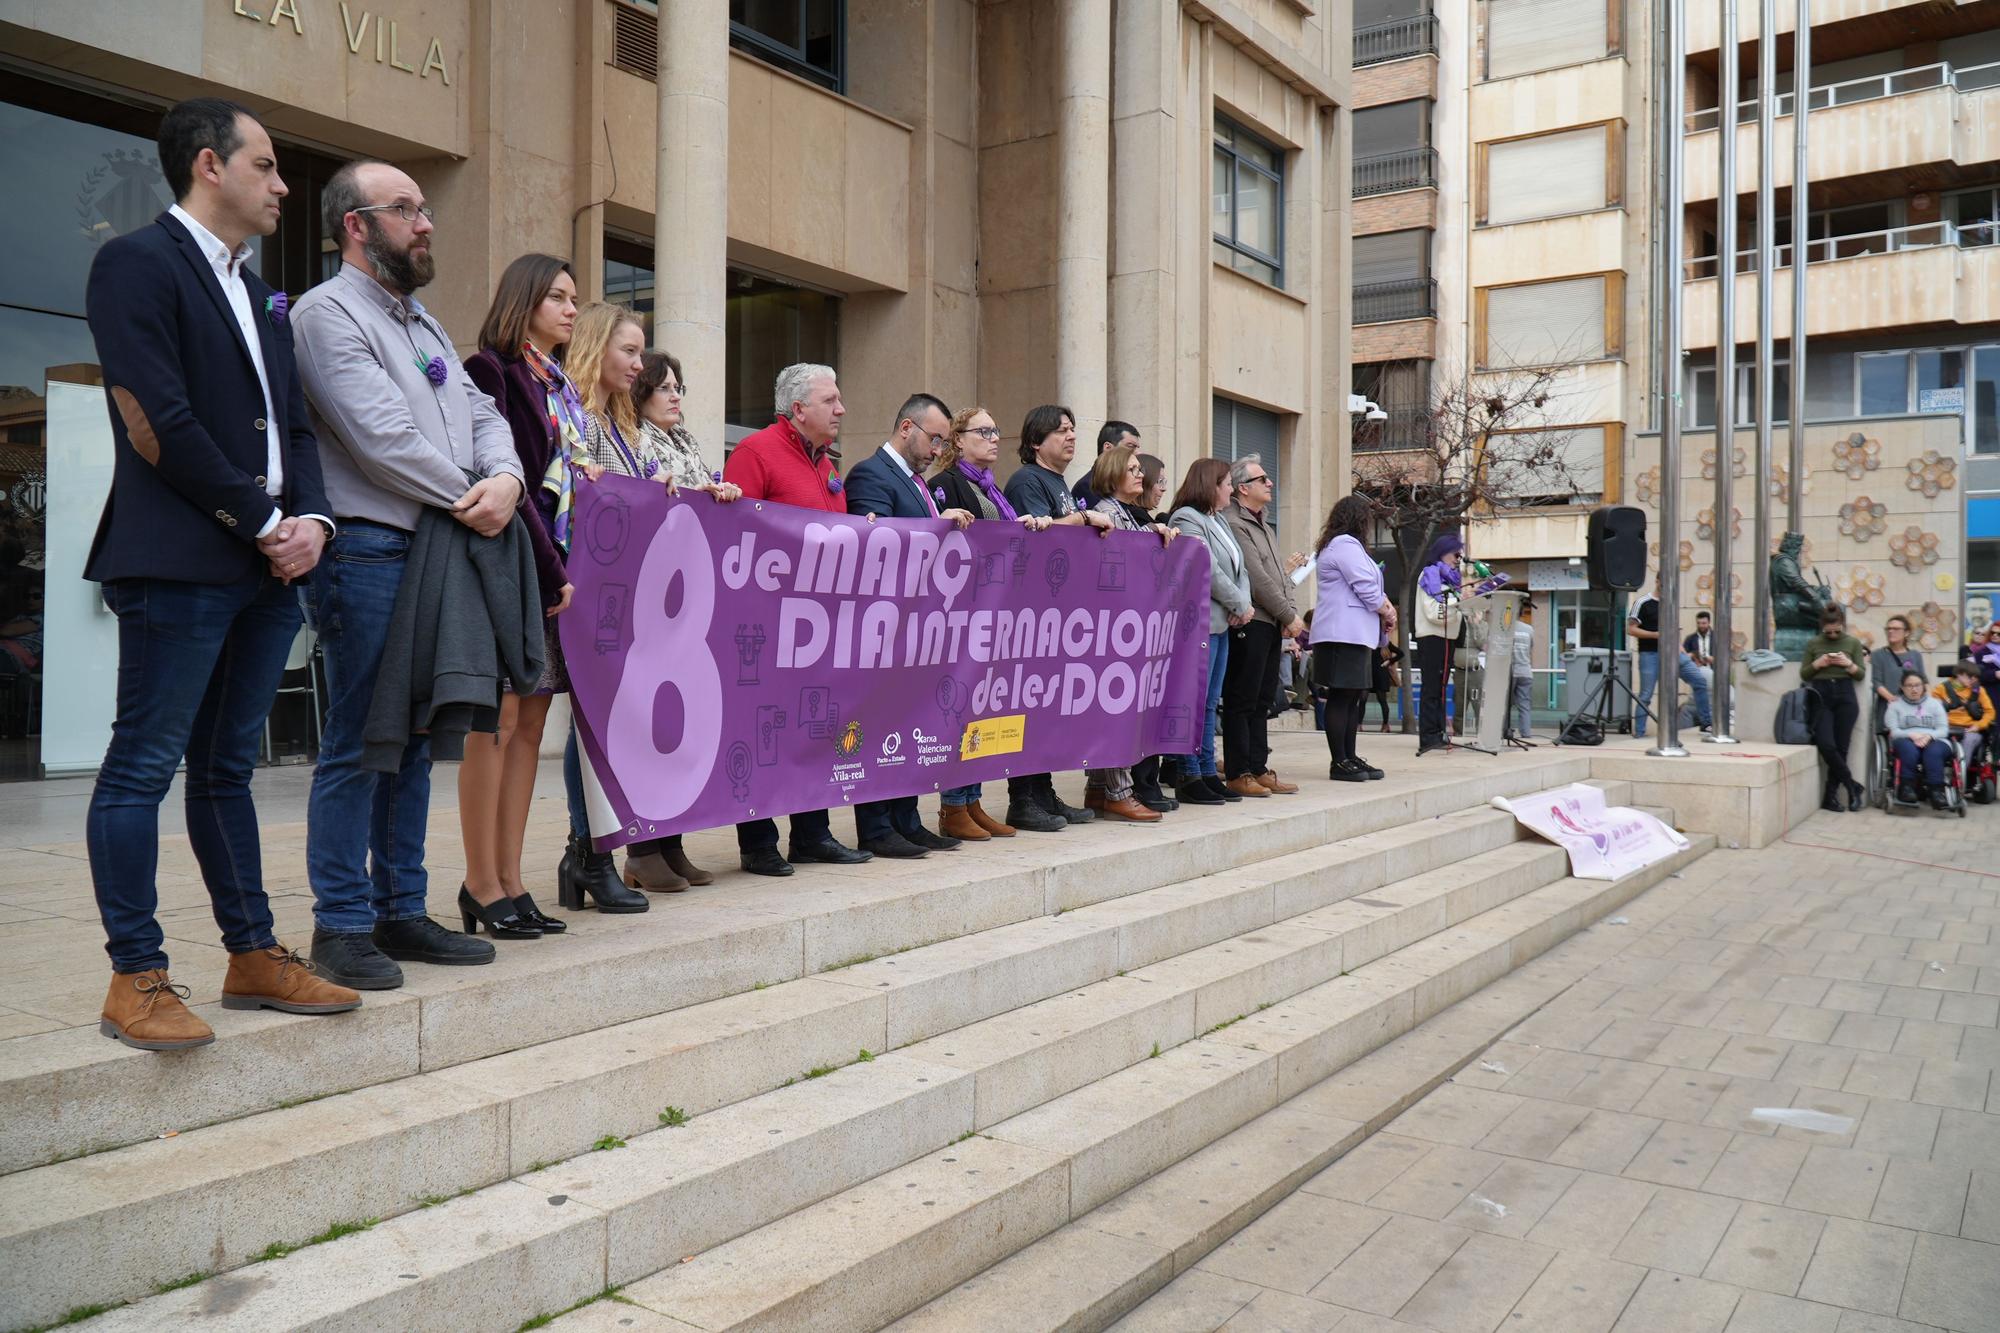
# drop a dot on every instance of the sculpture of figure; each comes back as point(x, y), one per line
point(1795, 603)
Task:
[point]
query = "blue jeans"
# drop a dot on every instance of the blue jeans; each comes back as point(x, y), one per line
point(198, 666)
point(1929, 758)
point(1218, 664)
point(962, 795)
point(579, 814)
point(364, 831)
point(1691, 676)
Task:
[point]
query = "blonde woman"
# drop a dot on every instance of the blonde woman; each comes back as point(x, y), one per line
point(608, 357)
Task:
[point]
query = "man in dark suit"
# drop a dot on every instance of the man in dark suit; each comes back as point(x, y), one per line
point(890, 484)
point(216, 508)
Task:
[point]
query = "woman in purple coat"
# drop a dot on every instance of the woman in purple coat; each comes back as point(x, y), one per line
point(1352, 618)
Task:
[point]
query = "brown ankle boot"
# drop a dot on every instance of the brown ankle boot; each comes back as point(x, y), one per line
point(1271, 782)
point(277, 978)
point(955, 821)
point(649, 870)
point(1243, 784)
point(145, 1010)
point(988, 822)
point(678, 862)
point(1129, 809)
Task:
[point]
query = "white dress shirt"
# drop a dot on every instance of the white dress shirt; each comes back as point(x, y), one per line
point(229, 272)
point(903, 466)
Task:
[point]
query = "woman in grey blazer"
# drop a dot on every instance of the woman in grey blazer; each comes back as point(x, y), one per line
point(1197, 512)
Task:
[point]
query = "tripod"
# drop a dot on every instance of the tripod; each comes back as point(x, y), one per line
point(1601, 702)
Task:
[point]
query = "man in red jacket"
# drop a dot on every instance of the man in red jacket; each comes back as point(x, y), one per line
point(791, 462)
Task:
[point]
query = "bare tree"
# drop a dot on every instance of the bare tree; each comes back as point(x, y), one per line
point(1480, 446)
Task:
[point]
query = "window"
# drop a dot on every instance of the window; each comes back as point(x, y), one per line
point(1882, 383)
point(1248, 203)
point(1523, 36)
point(1392, 128)
point(1976, 213)
point(1965, 380)
point(1370, 12)
point(1242, 430)
point(1560, 466)
point(802, 37)
point(768, 325)
point(1403, 390)
point(1549, 175)
point(1550, 323)
point(1392, 256)
point(1699, 413)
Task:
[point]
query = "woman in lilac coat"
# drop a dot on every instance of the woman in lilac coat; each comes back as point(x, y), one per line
point(1352, 618)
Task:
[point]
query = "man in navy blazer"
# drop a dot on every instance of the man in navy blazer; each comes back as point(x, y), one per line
point(215, 510)
point(890, 484)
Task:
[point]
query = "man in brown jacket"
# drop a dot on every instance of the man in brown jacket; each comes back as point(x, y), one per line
point(1254, 649)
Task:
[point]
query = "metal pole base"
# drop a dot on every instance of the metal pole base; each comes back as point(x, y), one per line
point(1668, 752)
point(1718, 738)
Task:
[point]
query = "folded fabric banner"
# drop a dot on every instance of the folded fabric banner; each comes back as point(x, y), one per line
point(1603, 841)
point(730, 662)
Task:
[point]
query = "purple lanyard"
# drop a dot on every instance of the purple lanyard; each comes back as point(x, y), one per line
point(652, 465)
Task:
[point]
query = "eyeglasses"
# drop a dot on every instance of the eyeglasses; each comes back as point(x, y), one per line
point(677, 390)
point(937, 441)
point(1252, 481)
point(407, 212)
point(983, 432)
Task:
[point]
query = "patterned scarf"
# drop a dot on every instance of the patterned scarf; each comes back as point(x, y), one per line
point(983, 479)
point(566, 420)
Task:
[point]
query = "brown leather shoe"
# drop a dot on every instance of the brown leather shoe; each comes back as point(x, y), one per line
point(955, 821)
point(277, 978)
point(988, 822)
point(1271, 782)
point(145, 1010)
point(1128, 809)
point(678, 862)
point(649, 870)
point(1245, 785)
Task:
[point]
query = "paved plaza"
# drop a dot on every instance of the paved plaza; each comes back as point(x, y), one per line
point(1613, 1162)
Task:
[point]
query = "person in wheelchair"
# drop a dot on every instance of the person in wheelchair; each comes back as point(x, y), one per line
point(1968, 708)
point(1920, 738)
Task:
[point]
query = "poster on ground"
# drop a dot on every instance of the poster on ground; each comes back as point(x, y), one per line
point(738, 661)
point(1603, 841)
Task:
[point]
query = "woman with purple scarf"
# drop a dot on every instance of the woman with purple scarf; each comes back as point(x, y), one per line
point(1438, 622)
point(964, 480)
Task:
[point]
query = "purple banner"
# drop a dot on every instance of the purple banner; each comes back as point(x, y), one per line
point(736, 661)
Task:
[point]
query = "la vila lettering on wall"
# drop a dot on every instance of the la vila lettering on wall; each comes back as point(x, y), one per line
point(356, 27)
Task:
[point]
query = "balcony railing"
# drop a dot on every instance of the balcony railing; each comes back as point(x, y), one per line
point(1398, 39)
point(1404, 169)
point(1924, 236)
point(1406, 298)
point(1408, 427)
point(1967, 79)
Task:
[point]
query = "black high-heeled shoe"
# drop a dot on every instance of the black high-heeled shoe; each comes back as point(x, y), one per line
point(501, 920)
point(1853, 796)
point(536, 917)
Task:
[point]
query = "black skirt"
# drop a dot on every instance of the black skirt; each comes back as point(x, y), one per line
point(1342, 666)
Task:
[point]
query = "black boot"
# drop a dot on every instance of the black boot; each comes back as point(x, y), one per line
point(1027, 812)
point(584, 873)
point(1056, 806)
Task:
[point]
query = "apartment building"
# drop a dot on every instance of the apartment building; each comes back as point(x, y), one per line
point(1501, 234)
point(1137, 207)
point(1505, 187)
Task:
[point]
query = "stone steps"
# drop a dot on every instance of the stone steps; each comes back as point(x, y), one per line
point(71, 1093)
point(380, 1151)
point(864, 1257)
point(777, 1194)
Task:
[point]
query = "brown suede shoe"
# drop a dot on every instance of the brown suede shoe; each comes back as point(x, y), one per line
point(988, 822)
point(1245, 785)
point(649, 870)
point(955, 821)
point(678, 862)
point(1271, 782)
point(145, 1010)
point(277, 978)
point(1129, 809)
